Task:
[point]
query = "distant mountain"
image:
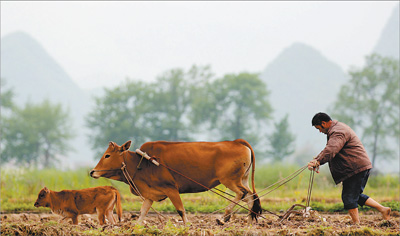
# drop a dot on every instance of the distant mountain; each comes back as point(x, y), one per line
point(302, 82)
point(34, 75)
point(388, 43)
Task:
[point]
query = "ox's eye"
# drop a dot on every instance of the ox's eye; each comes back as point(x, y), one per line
point(41, 195)
point(107, 156)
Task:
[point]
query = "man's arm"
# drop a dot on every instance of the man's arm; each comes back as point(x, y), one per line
point(335, 143)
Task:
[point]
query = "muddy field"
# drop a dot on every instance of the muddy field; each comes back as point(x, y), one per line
point(201, 224)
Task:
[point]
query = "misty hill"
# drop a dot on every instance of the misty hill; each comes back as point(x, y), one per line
point(302, 82)
point(388, 43)
point(34, 75)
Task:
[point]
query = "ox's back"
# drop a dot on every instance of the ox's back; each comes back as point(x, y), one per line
point(204, 162)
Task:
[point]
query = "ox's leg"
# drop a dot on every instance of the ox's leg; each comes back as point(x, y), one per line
point(144, 209)
point(173, 195)
point(250, 202)
point(242, 191)
point(249, 198)
point(240, 194)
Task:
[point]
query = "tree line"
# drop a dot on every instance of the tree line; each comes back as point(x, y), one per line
point(184, 105)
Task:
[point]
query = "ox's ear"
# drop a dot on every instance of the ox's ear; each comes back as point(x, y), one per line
point(46, 189)
point(126, 146)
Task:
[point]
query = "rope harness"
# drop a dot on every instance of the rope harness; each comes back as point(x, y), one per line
point(283, 181)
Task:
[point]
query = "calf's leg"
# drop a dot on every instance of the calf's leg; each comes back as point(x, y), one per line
point(101, 216)
point(110, 217)
point(74, 219)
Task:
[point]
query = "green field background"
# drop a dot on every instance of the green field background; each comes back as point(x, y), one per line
point(20, 187)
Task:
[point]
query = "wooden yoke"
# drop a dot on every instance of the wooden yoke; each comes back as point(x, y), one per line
point(143, 154)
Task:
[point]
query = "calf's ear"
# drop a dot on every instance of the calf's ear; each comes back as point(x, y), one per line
point(126, 146)
point(46, 189)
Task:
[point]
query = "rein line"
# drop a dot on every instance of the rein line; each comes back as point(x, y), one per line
point(286, 180)
point(283, 181)
point(209, 189)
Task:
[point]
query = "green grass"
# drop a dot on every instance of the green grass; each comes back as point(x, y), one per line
point(20, 187)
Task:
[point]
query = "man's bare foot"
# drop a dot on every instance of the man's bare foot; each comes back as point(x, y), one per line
point(386, 213)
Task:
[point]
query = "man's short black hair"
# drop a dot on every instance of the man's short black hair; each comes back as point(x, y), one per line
point(319, 117)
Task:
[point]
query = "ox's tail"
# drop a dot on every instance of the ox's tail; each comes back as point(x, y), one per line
point(118, 205)
point(256, 210)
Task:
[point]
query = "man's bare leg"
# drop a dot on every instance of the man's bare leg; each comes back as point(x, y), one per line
point(354, 215)
point(384, 210)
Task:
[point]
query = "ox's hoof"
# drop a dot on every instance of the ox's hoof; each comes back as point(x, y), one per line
point(220, 222)
point(227, 218)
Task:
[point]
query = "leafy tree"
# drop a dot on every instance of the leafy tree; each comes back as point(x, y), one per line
point(174, 98)
point(120, 115)
point(6, 105)
point(370, 102)
point(170, 104)
point(202, 99)
point(143, 112)
point(177, 105)
point(280, 141)
point(36, 134)
point(236, 106)
point(6, 96)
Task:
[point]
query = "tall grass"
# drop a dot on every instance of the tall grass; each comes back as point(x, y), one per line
point(20, 187)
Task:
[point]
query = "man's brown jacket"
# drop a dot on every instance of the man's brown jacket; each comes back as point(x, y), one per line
point(344, 152)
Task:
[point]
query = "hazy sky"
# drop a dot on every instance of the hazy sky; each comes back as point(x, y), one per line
point(102, 43)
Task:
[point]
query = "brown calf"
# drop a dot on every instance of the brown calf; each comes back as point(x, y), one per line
point(71, 203)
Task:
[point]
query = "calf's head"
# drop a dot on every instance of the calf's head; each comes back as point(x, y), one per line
point(110, 163)
point(43, 199)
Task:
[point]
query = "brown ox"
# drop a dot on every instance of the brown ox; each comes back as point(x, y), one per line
point(208, 163)
point(71, 203)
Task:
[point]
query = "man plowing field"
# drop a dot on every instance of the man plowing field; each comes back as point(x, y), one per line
point(348, 162)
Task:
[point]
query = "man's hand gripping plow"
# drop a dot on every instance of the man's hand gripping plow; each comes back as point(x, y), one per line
point(313, 165)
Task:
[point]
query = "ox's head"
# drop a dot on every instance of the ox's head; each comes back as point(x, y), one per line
point(43, 199)
point(110, 163)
